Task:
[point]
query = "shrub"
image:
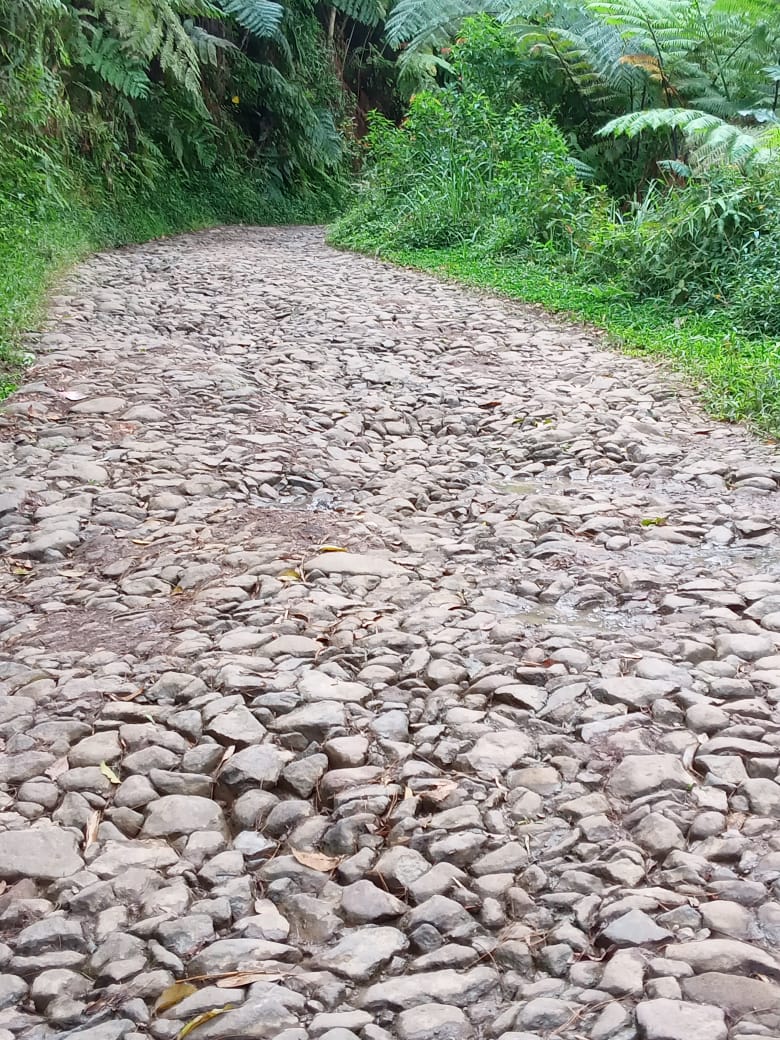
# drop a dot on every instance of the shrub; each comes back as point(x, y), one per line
point(461, 169)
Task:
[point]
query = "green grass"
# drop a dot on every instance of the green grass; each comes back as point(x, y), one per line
point(737, 378)
point(43, 232)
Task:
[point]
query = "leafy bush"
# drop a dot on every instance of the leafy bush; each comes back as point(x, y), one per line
point(463, 167)
point(631, 82)
point(712, 244)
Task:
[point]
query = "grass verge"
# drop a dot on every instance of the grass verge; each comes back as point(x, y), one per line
point(737, 378)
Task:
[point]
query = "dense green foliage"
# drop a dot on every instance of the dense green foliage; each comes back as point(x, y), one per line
point(680, 234)
point(698, 78)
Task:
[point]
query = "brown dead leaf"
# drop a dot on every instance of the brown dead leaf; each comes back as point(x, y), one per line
point(316, 860)
point(246, 978)
point(91, 830)
point(171, 996)
point(129, 696)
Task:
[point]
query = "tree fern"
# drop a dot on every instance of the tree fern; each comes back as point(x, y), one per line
point(418, 23)
point(711, 140)
point(589, 54)
point(661, 27)
point(262, 18)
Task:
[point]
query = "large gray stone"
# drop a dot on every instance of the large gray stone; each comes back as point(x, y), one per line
point(735, 994)
point(360, 953)
point(639, 775)
point(725, 955)
point(495, 753)
point(42, 853)
point(433, 987)
point(675, 1020)
point(257, 766)
point(177, 814)
point(433, 1022)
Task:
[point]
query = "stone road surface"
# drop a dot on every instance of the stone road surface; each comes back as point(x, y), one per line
point(507, 767)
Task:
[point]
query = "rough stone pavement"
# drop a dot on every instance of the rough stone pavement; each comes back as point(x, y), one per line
point(507, 767)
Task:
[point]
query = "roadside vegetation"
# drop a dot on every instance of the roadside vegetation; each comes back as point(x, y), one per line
point(614, 160)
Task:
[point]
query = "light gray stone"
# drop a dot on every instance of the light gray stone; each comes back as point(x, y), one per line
point(676, 1020)
point(42, 853)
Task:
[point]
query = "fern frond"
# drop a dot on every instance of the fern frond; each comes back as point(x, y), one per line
point(588, 53)
point(196, 9)
point(206, 44)
point(662, 27)
point(758, 11)
point(262, 18)
point(712, 140)
point(419, 23)
point(675, 166)
point(326, 141)
point(367, 12)
point(104, 55)
point(634, 123)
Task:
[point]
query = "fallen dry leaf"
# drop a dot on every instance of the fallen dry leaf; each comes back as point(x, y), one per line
point(200, 1020)
point(129, 696)
point(109, 773)
point(246, 978)
point(316, 860)
point(91, 830)
point(173, 995)
point(230, 750)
